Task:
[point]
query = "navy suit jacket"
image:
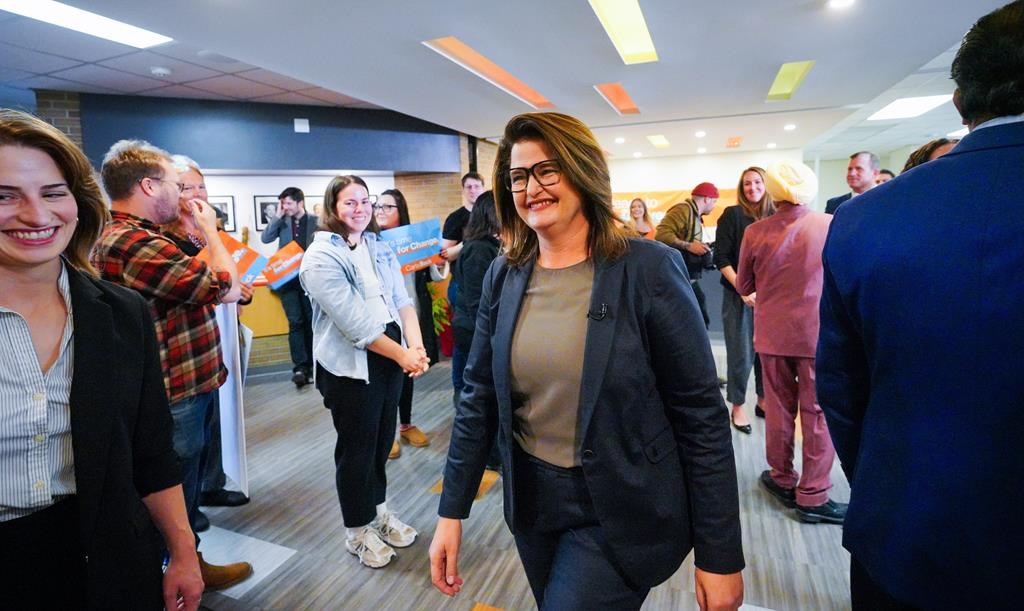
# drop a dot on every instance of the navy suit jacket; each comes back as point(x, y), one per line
point(833, 204)
point(920, 374)
point(657, 448)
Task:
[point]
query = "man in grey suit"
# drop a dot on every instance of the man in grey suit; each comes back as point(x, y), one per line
point(291, 223)
point(861, 175)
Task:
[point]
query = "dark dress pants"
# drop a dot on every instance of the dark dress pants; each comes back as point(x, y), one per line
point(738, 328)
point(299, 313)
point(364, 417)
point(562, 545)
point(701, 301)
point(869, 596)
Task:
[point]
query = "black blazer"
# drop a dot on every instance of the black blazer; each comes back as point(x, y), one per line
point(121, 434)
point(657, 449)
point(833, 204)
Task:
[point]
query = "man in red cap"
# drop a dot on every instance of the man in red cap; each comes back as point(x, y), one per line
point(682, 229)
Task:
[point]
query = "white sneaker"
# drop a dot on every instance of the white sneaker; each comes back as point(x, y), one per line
point(367, 545)
point(394, 531)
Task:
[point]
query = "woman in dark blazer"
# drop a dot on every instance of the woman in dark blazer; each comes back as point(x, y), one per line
point(591, 363)
point(77, 516)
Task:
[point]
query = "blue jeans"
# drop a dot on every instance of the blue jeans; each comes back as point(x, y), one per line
point(190, 434)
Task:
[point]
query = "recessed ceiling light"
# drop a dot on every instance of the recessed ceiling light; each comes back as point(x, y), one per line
point(908, 108)
point(620, 140)
point(638, 154)
point(618, 98)
point(839, 4)
point(700, 134)
point(789, 127)
point(472, 60)
point(624, 22)
point(789, 78)
point(659, 141)
point(160, 71)
point(701, 150)
point(960, 133)
point(85, 22)
point(772, 145)
point(734, 142)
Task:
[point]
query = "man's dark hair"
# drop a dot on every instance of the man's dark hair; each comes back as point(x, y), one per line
point(471, 176)
point(483, 220)
point(989, 67)
point(293, 192)
point(885, 171)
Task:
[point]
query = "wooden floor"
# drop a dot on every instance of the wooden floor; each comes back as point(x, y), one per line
point(790, 565)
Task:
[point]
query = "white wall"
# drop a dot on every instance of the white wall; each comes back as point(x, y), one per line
point(831, 179)
point(244, 186)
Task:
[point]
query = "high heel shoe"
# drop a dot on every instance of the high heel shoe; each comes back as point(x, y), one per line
point(743, 428)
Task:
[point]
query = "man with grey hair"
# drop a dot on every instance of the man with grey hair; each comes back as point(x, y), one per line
point(182, 292)
point(861, 175)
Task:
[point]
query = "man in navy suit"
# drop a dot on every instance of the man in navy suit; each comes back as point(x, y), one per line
point(861, 175)
point(919, 354)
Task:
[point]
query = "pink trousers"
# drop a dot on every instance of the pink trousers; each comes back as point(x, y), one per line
point(788, 387)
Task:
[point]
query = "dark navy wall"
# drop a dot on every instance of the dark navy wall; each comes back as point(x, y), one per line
point(247, 136)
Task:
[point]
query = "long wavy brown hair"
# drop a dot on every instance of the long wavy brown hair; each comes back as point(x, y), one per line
point(755, 210)
point(583, 165)
point(22, 129)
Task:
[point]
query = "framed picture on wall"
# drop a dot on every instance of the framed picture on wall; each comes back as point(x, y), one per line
point(264, 208)
point(225, 204)
point(314, 203)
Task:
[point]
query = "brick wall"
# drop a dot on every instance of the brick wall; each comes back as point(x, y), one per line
point(486, 152)
point(61, 109)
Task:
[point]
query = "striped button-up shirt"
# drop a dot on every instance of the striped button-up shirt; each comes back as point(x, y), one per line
point(36, 459)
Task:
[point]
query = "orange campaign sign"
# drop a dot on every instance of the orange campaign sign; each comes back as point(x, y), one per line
point(284, 265)
point(658, 203)
point(249, 262)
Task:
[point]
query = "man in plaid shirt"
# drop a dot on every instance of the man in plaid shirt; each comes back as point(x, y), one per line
point(182, 292)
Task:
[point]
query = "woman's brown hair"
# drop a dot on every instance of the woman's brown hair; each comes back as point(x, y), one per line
point(583, 165)
point(755, 210)
point(330, 220)
point(22, 129)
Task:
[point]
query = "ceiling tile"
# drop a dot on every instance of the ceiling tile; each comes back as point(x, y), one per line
point(201, 57)
point(140, 63)
point(10, 74)
point(58, 84)
point(183, 91)
point(235, 87)
point(32, 61)
point(274, 79)
point(39, 36)
point(292, 98)
point(330, 96)
point(111, 79)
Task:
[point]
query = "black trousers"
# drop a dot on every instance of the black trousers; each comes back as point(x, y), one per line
point(562, 545)
point(867, 595)
point(405, 401)
point(364, 417)
point(702, 301)
point(42, 565)
point(299, 313)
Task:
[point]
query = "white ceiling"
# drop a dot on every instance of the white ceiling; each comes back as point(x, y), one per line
point(717, 61)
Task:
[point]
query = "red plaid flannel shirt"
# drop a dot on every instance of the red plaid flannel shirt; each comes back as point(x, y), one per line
point(182, 292)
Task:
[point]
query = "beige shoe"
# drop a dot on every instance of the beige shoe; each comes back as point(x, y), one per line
point(414, 437)
point(396, 450)
point(219, 577)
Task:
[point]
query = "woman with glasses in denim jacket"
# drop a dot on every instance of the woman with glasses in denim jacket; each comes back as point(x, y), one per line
point(365, 335)
point(591, 363)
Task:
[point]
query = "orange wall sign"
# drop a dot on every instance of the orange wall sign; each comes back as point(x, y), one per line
point(658, 202)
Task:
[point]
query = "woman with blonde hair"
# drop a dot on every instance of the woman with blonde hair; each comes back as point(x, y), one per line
point(591, 364)
point(753, 204)
point(640, 221)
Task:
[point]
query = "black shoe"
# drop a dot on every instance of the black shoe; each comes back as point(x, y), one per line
point(830, 512)
point(222, 498)
point(743, 428)
point(786, 496)
point(758, 411)
point(299, 379)
point(202, 522)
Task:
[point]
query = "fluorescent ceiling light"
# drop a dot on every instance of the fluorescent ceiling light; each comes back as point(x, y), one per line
point(789, 78)
point(85, 22)
point(615, 94)
point(840, 4)
point(960, 133)
point(772, 145)
point(908, 108)
point(700, 134)
point(701, 150)
point(637, 155)
point(659, 141)
point(470, 59)
point(620, 140)
point(624, 22)
point(789, 127)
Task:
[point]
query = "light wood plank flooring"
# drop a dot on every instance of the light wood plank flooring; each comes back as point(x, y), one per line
point(790, 565)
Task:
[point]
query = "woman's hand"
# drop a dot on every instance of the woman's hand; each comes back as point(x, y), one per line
point(444, 556)
point(414, 361)
point(719, 592)
point(750, 299)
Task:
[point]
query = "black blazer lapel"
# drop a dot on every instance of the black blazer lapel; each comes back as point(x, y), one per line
point(604, 307)
point(95, 366)
point(509, 302)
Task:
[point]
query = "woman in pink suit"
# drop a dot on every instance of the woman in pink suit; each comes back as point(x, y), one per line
point(780, 259)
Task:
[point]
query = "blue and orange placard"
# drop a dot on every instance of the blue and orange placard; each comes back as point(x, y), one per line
point(417, 245)
point(283, 265)
point(249, 262)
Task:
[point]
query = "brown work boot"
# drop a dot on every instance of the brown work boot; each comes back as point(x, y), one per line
point(414, 437)
point(219, 577)
point(396, 450)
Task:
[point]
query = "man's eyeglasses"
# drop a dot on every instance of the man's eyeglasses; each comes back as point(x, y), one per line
point(546, 173)
point(181, 186)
